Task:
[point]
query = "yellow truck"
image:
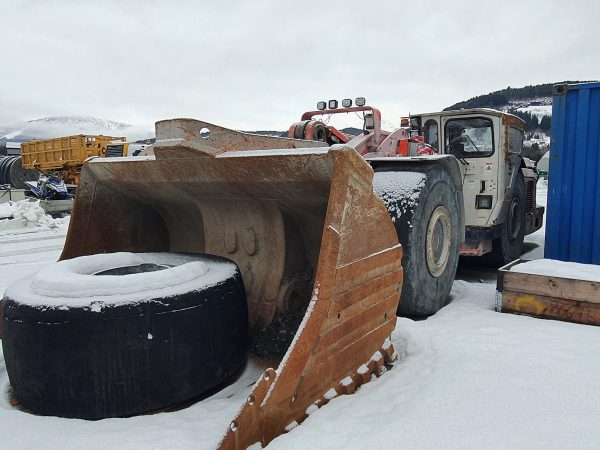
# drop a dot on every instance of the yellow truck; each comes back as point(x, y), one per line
point(65, 155)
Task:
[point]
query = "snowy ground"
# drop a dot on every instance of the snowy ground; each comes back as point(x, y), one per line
point(470, 378)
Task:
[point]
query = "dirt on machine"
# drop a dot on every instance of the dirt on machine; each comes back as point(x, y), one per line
point(333, 234)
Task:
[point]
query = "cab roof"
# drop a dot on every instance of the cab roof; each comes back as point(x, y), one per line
point(471, 111)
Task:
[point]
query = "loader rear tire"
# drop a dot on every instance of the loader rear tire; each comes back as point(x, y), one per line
point(93, 359)
point(509, 245)
point(423, 205)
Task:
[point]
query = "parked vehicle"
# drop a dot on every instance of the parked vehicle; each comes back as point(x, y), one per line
point(64, 156)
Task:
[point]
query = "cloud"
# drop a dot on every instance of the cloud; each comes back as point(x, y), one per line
point(259, 64)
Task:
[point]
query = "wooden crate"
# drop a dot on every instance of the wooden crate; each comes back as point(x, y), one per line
point(550, 297)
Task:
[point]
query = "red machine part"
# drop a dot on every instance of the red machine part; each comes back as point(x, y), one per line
point(375, 144)
point(315, 130)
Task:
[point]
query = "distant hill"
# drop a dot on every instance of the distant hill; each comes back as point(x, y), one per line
point(503, 97)
point(531, 103)
point(57, 126)
point(508, 96)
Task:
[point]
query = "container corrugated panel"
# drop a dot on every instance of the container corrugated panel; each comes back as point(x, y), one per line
point(573, 210)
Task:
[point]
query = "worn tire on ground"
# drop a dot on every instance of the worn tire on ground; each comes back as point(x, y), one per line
point(175, 333)
point(509, 245)
point(422, 202)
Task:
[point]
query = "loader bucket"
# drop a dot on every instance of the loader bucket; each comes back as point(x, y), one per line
point(305, 228)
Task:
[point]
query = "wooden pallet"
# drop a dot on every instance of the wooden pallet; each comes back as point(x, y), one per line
point(550, 297)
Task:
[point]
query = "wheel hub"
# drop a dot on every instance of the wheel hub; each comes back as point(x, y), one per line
point(438, 241)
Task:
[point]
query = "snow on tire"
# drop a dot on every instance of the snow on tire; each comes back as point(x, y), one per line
point(421, 202)
point(118, 334)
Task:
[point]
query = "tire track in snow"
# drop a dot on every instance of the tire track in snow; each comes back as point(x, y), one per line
point(30, 251)
point(28, 238)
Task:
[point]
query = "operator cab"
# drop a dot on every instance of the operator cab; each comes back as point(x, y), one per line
point(487, 143)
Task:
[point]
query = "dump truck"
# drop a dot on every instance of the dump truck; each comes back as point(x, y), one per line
point(64, 156)
point(329, 237)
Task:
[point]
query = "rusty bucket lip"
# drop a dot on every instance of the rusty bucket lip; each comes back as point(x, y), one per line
point(230, 154)
point(316, 151)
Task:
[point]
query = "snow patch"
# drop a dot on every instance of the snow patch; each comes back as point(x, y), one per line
point(363, 369)
point(291, 426)
point(561, 269)
point(311, 409)
point(26, 214)
point(398, 193)
point(387, 344)
point(71, 283)
point(537, 110)
point(330, 394)
point(377, 356)
point(347, 381)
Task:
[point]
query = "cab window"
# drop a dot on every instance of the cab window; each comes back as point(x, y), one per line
point(430, 133)
point(469, 138)
point(515, 140)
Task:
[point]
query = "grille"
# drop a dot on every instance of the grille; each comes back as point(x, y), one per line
point(529, 195)
point(114, 151)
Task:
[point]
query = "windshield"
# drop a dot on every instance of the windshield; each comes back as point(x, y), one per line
point(472, 137)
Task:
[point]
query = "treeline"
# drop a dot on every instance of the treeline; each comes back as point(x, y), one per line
point(503, 96)
point(532, 122)
point(535, 152)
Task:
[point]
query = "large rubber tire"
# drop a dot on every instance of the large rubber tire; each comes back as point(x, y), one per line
point(509, 245)
point(423, 205)
point(95, 359)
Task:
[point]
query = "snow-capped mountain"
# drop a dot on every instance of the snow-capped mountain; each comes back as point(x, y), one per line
point(57, 126)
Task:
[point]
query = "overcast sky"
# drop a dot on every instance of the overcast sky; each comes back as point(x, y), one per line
point(259, 64)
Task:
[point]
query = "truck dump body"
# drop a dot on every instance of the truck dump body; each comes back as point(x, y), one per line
point(65, 154)
point(304, 226)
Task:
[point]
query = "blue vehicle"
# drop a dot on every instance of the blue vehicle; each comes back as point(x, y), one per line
point(49, 188)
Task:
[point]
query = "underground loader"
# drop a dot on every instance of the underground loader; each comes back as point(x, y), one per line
point(328, 230)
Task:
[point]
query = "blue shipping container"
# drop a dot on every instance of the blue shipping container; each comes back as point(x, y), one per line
point(573, 210)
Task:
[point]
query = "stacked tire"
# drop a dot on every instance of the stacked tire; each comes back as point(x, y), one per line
point(122, 334)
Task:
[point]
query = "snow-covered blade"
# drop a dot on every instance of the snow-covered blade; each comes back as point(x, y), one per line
point(304, 226)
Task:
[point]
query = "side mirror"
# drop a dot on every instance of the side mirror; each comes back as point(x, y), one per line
point(369, 122)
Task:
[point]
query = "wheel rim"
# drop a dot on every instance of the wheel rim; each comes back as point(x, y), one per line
point(438, 241)
point(514, 220)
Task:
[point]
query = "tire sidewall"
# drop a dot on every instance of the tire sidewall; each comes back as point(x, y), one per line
point(509, 251)
point(162, 350)
point(426, 293)
point(422, 293)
